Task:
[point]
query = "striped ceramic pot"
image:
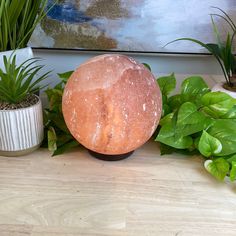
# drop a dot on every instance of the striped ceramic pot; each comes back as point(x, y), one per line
point(21, 130)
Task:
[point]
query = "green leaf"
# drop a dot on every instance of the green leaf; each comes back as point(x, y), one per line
point(225, 131)
point(16, 83)
point(208, 145)
point(63, 138)
point(65, 76)
point(18, 20)
point(217, 104)
point(232, 158)
point(190, 120)
point(226, 17)
point(164, 99)
point(176, 101)
point(206, 46)
point(55, 99)
point(165, 109)
point(218, 168)
point(194, 85)
point(167, 84)
point(166, 119)
point(233, 171)
point(165, 149)
point(226, 55)
point(65, 147)
point(52, 139)
point(192, 89)
point(54, 118)
point(167, 136)
point(196, 142)
point(214, 48)
point(58, 121)
point(216, 32)
point(176, 129)
point(231, 114)
point(147, 66)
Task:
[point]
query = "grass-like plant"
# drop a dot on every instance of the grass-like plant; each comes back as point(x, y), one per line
point(222, 50)
point(18, 19)
point(18, 82)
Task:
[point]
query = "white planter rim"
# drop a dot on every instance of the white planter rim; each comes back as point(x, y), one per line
point(23, 108)
point(26, 50)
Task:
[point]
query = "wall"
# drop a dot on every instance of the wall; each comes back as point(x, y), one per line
point(182, 65)
point(61, 61)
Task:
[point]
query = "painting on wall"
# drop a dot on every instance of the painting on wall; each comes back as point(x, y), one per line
point(130, 25)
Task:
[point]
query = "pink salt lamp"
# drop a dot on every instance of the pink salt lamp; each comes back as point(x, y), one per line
point(112, 105)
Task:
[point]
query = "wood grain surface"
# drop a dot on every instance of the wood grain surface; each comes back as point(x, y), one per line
point(146, 194)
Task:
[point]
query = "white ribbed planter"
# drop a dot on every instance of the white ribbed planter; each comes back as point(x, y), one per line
point(21, 130)
point(219, 87)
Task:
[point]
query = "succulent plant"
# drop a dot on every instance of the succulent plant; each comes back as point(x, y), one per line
point(18, 82)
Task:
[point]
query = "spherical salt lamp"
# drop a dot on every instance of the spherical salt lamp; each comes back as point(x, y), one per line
point(112, 105)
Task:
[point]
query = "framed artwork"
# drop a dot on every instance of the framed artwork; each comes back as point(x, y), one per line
point(130, 25)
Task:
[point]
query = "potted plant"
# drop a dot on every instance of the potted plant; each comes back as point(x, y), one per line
point(21, 119)
point(18, 20)
point(223, 52)
point(199, 121)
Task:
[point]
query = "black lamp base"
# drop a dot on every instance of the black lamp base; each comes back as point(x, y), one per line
point(105, 157)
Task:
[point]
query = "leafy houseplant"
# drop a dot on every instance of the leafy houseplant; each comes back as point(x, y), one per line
point(199, 121)
point(57, 136)
point(222, 50)
point(18, 20)
point(20, 109)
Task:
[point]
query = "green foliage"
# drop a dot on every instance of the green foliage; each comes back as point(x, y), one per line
point(190, 120)
point(57, 136)
point(167, 84)
point(225, 131)
point(147, 66)
point(199, 121)
point(217, 104)
point(219, 168)
point(17, 82)
point(194, 86)
point(222, 50)
point(18, 19)
point(168, 136)
point(209, 145)
point(233, 171)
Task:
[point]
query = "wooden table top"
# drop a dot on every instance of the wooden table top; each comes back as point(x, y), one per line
point(76, 194)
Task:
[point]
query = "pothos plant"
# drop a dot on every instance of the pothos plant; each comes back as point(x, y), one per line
point(57, 136)
point(199, 121)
